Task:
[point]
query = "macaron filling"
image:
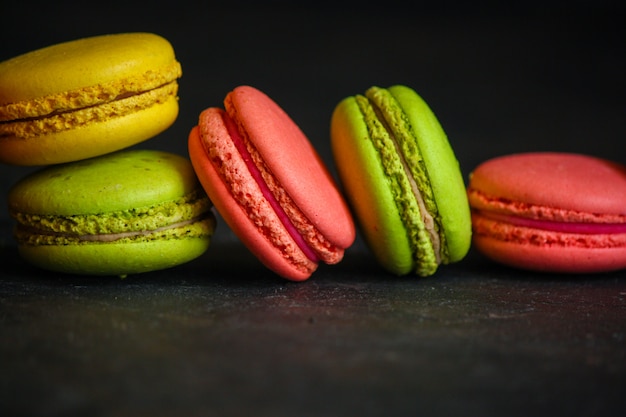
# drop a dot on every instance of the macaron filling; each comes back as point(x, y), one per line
point(94, 95)
point(392, 135)
point(61, 119)
point(554, 226)
point(256, 173)
point(111, 237)
point(189, 216)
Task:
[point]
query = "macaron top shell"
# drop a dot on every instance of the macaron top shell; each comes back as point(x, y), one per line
point(565, 181)
point(443, 169)
point(293, 161)
point(84, 72)
point(123, 180)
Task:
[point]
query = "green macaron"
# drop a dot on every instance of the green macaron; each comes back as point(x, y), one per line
point(402, 180)
point(123, 213)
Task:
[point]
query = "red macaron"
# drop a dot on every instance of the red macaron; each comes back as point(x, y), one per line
point(550, 212)
point(270, 185)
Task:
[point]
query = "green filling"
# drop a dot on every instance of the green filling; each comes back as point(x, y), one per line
point(144, 223)
point(392, 134)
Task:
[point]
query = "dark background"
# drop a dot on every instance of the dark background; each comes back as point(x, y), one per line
point(223, 336)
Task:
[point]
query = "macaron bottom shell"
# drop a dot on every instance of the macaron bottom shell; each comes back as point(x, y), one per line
point(90, 140)
point(551, 259)
point(369, 194)
point(281, 262)
point(112, 258)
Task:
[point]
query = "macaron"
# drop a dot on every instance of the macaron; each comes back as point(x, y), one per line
point(126, 212)
point(402, 180)
point(86, 97)
point(550, 212)
point(270, 185)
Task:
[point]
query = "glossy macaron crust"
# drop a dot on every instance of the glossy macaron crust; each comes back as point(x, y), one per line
point(550, 212)
point(402, 180)
point(86, 97)
point(122, 213)
point(270, 185)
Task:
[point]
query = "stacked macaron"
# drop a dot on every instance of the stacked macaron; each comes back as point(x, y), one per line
point(117, 214)
point(87, 97)
point(98, 208)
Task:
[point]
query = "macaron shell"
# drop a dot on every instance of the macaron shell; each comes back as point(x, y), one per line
point(554, 259)
point(80, 63)
point(238, 220)
point(443, 169)
point(119, 181)
point(560, 180)
point(370, 195)
point(90, 140)
point(115, 258)
point(294, 162)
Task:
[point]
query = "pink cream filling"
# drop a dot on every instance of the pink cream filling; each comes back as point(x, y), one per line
point(258, 177)
point(562, 227)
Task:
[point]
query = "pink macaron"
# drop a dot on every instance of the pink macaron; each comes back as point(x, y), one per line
point(550, 212)
point(270, 185)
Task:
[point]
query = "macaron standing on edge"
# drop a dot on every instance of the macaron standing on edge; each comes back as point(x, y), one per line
point(86, 97)
point(402, 180)
point(270, 185)
point(550, 212)
point(126, 212)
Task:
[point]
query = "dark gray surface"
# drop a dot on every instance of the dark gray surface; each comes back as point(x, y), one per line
point(223, 336)
point(196, 340)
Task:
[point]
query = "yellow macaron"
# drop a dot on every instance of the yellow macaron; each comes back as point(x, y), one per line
point(86, 97)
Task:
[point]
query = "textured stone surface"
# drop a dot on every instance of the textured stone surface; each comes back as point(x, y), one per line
point(474, 340)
